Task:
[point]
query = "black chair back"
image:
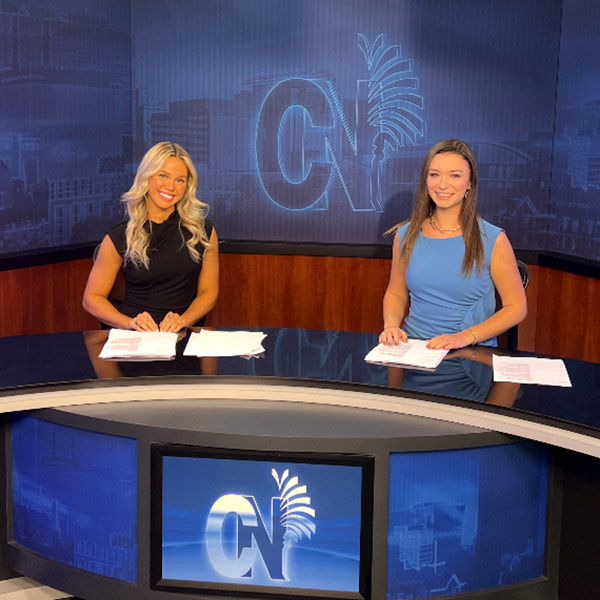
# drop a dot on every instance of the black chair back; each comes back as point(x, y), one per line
point(510, 339)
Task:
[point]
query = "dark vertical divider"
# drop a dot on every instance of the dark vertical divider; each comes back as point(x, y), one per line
point(579, 571)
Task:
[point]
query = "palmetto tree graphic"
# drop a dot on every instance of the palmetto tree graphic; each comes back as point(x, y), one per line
point(395, 108)
point(297, 514)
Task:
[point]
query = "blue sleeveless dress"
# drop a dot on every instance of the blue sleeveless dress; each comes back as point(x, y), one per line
point(442, 300)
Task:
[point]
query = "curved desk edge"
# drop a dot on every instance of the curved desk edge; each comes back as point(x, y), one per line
point(508, 421)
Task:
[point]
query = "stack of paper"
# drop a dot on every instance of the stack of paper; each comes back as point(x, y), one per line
point(530, 369)
point(126, 345)
point(225, 343)
point(413, 354)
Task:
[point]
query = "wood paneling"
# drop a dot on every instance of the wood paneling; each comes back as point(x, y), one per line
point(317, 292)
point(568, 315)
point(44, 299)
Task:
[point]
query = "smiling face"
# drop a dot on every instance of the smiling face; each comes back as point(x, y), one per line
point(448, 179)
point(166, 188)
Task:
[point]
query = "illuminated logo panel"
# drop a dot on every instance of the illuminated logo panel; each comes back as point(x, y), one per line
point(306, 141)
point(259, 522)
point(291, 519)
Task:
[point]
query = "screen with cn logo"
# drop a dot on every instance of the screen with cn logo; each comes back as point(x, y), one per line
point(291, 524)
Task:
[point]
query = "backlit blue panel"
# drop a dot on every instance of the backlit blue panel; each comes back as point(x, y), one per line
point(307, 121)
point(465, 520)
point(256, 522)
point(75, 496)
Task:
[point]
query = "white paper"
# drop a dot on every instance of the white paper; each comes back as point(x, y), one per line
point(413, 354)
point(225, 343)
point(123, 344)
point(524, 369)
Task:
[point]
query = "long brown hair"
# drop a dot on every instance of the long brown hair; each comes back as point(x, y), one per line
point(469, 218)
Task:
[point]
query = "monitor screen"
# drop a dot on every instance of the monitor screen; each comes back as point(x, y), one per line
point(64, 484)
point(466, 520)
point(291, 524)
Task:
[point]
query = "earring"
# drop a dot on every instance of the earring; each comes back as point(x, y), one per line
point(467, 193)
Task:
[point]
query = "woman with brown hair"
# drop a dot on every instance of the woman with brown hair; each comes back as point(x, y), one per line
point(447, 262)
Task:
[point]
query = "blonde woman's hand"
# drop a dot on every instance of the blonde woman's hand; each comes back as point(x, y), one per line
point(172, 322)
point(143, 322)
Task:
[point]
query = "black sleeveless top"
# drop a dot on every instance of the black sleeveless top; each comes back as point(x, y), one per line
point(171, 281)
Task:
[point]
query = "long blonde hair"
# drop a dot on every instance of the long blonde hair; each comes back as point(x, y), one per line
point(425, 206)
point(192, 211)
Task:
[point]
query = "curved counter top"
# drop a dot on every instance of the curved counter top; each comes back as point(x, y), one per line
point(321, 367)
point(310, 400)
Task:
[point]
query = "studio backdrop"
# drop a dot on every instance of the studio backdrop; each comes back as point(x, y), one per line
point(307, 120)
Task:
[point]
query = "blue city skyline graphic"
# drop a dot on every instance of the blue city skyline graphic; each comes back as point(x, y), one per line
point(64, 496)
point(308, 122)
point(256, 522)
point(466, 520)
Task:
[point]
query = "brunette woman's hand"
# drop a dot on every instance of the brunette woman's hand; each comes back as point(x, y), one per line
point(392, 336)
point(450, 341)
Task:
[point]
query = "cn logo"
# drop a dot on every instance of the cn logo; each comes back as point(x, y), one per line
point(307, 137)
point(237, 534)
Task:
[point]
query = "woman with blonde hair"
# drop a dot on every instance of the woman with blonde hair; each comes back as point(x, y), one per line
point(167, 249)
point(447, 262)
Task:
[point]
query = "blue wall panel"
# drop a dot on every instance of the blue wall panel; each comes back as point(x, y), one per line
point(466, 520)
point(74, 496)
point(65, 122)
point(307, 120)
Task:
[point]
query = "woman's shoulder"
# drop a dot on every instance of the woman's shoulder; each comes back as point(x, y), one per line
point(118, 228)
point(117, 236)
point(489, 230)
point(208, 227)
point(206, 222)
point(401, 229)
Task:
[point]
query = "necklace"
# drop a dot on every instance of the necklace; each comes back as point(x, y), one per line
point(435, 226)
